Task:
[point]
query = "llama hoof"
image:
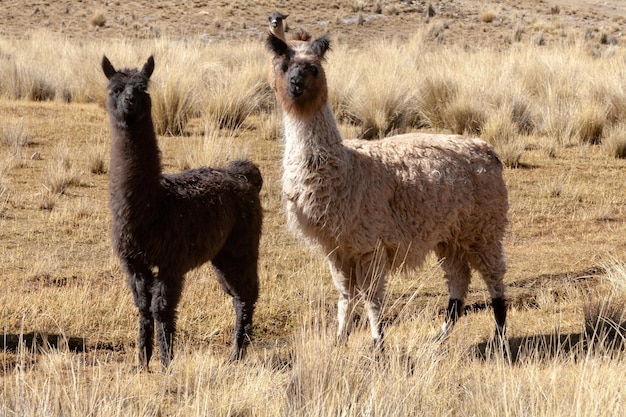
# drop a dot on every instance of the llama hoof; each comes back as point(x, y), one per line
point(141, 368)
point(236, 354)
point(444, 333)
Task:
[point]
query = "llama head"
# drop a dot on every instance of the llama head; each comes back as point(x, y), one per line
point(276, 19)
point(300, 78)
point(128, 99)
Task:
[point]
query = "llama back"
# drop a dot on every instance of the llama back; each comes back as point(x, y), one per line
point(248, 170)
point(421, 189)
point(448, 187)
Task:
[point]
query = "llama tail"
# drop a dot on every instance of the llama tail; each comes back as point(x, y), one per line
point(249, 170)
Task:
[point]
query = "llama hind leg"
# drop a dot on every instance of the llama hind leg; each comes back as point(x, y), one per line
point(489, 261)
point(239, 280)
point(166, 291)
point(140, 281)
point(458, 275)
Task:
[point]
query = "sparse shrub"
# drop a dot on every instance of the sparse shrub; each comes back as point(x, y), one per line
point(522, 117)
point(518, 32)
point(358, 5)
point(615, 102)
point(41, 88)
point(464, 116)
point(232, 95)
point(391, 10)
point(172, 105)
point(16, 136)
point(97, 19)
point(380, 109)
point(588, 124)
point(557, 122)
point(500, 131)
point(48, 200)
point(210, 149)
point(4, 184)
point(435, 93)
point(60, 173)
point(96, 162)
point(615, 141)
point(605, 322)
point(488, 16)
point(437, 31)
point(269, 126)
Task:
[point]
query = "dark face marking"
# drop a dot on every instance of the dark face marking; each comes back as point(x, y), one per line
point(301, 77)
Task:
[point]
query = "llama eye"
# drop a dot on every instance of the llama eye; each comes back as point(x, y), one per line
point(313, 71)
point(284, 67)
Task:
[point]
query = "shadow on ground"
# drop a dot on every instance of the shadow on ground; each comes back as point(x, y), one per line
point(41, 341)
point(551, 346)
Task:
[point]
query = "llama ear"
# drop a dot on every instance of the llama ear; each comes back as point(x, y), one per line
point(276, 45)
point(148, 67)
point(107, 68)
point(320, 46)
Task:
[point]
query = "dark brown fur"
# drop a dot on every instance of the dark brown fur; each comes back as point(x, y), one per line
point(167, 224)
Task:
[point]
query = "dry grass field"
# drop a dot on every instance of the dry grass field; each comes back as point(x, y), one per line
point(542, 81)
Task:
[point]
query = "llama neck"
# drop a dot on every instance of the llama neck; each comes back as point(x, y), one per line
point(135, 158)
point(313, 136)
point(315, 161)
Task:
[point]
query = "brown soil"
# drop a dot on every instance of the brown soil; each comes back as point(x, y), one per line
point(465, 23)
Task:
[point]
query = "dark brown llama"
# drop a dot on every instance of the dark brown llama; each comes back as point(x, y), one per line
point(167, 224)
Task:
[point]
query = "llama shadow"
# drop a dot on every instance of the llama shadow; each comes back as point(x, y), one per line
point(550, 346)
point(35, 341)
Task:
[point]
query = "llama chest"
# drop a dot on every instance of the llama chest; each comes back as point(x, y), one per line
point(315, 198)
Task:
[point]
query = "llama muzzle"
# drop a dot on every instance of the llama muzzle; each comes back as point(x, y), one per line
point(296, 83)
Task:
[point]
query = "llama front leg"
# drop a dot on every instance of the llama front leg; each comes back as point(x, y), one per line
point(243, 328)
point(166, 291)
point(343, 281)
point(239, 279)
point(140, 281)
point(371, 270)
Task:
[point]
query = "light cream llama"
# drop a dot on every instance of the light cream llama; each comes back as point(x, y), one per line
point(373, 205)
